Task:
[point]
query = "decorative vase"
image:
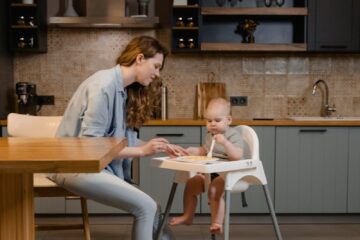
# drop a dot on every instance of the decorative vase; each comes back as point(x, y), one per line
point(268, 3)
point(28, 1)
point(220, 3)
point(280, 2)
point(143, 7)
point(70, 11)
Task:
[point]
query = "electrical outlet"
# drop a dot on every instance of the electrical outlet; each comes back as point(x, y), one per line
point(46, 100)
point(239, 100)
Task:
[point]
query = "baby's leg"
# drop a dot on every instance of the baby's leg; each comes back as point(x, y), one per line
point(217, 204)
point(194, 186)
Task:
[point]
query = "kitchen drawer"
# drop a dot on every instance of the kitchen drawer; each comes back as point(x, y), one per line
point(174, 134)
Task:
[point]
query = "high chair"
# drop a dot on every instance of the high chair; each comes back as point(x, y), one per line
point(238, 176)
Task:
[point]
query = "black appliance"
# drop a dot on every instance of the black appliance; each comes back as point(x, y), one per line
point(26, 98)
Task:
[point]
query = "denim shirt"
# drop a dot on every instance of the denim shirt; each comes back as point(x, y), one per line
point(97, 109)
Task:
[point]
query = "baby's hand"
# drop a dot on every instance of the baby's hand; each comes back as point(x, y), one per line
point(220, 139)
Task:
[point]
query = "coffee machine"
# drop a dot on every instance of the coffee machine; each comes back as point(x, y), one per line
point(26, 98)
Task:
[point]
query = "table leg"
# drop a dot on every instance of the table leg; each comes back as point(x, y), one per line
point(16, 206)
point(167, 211)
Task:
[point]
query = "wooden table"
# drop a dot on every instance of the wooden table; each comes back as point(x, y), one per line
point(21, 157)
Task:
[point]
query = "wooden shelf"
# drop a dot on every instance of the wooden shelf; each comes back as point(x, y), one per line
point(186, 6)
point(186, 28)
point(251, 47)
point(296, 11)
point(186, 50)
point(103, 22)
point(22, 5)
point(23, 27)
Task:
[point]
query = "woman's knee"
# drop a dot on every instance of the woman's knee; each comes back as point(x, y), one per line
point(147, 208)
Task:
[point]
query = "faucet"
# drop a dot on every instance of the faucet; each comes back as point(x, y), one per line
point(327, 108)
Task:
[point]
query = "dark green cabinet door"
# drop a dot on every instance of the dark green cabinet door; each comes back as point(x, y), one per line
point(333, 26)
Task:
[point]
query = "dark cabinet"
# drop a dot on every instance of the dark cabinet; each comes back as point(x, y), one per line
point(185, 27)
point(6, 67)
point(333, 25)
point(27, 26)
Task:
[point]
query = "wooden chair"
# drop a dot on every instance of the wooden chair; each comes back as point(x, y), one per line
point(20, 125)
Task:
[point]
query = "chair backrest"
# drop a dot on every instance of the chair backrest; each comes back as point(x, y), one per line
point(251, 141)
point(20, 125)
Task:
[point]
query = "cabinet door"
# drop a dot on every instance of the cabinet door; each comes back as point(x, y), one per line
point(311, 169)
point(354, 169)
point(3, 131)
point(157, 182)
point(331, 25)
point(254, 195)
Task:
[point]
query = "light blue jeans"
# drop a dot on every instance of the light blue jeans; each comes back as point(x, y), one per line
point(110, 190)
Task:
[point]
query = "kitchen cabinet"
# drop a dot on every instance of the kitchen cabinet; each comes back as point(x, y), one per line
point(254, 195)
point(334, 26)
point(354, 169)
point(28, 26)
point(311, 169)
point(185, 27)
point(279, 28)
point(3, 131)
point(6, 62)
point(157, 182)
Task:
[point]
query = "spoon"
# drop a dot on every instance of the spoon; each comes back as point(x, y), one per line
point(211, 148)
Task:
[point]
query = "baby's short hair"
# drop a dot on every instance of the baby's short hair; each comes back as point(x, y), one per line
point(220, 103)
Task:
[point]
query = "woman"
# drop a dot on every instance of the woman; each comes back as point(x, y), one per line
point(112, 103)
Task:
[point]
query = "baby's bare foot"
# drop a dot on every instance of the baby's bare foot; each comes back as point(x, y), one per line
point(216, 228)
point(180, 220)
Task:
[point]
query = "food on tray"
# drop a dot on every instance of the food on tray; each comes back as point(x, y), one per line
point(197, 158)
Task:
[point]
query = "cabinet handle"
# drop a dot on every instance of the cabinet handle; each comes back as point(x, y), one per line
point(169, 134)
point(312, 130)
point(334, 46)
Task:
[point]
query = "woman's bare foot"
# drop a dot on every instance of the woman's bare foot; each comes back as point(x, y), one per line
point(180, 220)
point(216, 228)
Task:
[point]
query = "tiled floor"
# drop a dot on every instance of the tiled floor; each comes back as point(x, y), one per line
point(243, 227)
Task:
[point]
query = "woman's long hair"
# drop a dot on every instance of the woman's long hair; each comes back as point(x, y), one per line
point(142, 101)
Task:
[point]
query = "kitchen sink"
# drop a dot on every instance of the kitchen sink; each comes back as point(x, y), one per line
point(325, 118)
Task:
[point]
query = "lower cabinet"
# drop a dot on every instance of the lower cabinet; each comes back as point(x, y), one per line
point(157, 182)
point(311, 169)
point(354, 170)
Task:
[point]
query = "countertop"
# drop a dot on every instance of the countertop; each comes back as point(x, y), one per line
point(275, 122)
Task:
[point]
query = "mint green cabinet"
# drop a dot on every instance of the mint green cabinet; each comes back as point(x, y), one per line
point(354, 171)
point(311, 169)
point(157, 182)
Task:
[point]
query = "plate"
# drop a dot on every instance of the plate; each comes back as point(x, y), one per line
point(196, 159)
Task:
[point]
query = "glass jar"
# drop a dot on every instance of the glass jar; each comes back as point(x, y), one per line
point(181, 43)
point(190, 22)
point(31, 21)
point(190, 43)
point(31, 42)
point(180, 22)
point(21, 20)
point(21, 42)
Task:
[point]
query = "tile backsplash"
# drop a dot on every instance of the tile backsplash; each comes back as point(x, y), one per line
point(277, 85)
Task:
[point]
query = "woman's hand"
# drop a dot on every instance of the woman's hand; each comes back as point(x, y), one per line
point(175, 150)
point(155, 145)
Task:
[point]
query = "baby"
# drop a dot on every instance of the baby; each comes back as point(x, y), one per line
point(228, 145)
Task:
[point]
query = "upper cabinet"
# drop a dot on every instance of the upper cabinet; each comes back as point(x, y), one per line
point(27, 26)
point(247, 25)
point(334, 25)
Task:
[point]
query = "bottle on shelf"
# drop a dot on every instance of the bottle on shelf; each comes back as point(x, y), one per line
point(21, 20)
point(180, 22)
point(190, 43)
point(21, 42)
point(181, 43)
point(190, 22)
point(31, 21)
